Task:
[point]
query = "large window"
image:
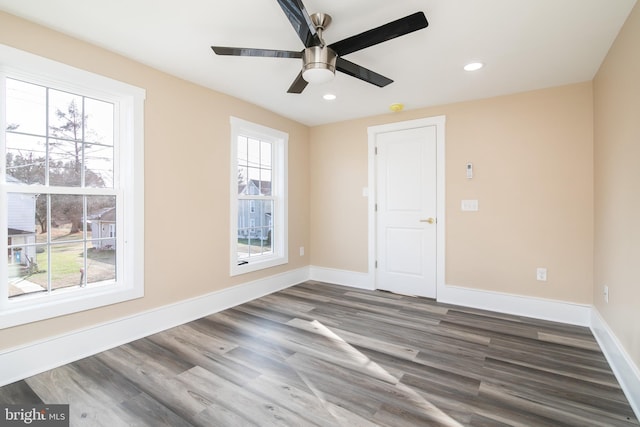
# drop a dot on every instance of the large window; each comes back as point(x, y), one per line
point(70, 189)
point(258, 197)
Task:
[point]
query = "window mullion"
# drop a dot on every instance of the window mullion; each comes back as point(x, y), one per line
point(83, 276)
point(47, 152)
point(48, 244)
point(82, 145)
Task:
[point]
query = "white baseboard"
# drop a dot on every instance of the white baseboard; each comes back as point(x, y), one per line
point(625, 370)
point(27, 360)
point(342, 277)
point(538, 308)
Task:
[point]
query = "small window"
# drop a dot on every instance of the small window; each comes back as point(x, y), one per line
point(258, 197)
point(68, 138)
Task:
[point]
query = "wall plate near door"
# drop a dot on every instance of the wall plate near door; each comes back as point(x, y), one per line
point(541, 274)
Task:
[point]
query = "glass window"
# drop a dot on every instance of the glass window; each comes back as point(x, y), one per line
point(259, 203)
point(62, 200)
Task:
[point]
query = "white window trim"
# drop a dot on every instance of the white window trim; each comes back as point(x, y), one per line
point(280, 240)
point(129, 102)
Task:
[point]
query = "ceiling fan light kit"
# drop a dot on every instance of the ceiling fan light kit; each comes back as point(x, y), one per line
point(319, 64)
point(319, 60)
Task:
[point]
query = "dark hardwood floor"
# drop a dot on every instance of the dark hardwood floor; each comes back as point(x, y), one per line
point(319, 354)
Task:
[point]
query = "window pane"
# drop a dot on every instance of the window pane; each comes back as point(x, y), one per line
point(66, 217)
point(21, 251)
point(243, 173)
point(25, 158)
point(27, 269)
point(244, 214)
point(21, 216)
point(98, 121)
point(26, 107)
point(265, 182)
point(253, 153)
point(98, 166)
point(101, 222)
point(254, 227)
point(242, 180)
point(101, 264)
point(265, 155)
point(65, 115)
point(41, 218)
point(65, 162)
point(253, 181)
point(67, 265)
point(243, 158)
point(101, 207)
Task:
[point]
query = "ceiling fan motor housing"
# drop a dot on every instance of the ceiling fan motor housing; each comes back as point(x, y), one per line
point(319, 64)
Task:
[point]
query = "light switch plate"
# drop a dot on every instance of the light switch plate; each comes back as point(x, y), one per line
point(469, 205)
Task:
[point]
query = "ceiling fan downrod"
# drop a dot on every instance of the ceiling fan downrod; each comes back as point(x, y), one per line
point(319, 62)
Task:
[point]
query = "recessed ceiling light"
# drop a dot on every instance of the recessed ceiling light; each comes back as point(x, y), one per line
point(329, 97)
point(473, 66)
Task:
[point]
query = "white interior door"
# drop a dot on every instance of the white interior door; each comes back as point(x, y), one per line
point(406, 186)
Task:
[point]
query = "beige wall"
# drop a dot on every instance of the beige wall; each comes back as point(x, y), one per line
point(533, 165)
point(617, 186)
point(186, 180)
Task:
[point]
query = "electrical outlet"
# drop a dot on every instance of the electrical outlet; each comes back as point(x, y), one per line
point(541, 274)
point(301, 250)
point(606, 293)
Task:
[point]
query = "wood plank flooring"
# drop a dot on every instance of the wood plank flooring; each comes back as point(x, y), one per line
point(325, 355)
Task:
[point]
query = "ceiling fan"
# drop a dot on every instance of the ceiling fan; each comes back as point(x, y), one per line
point(319, 60)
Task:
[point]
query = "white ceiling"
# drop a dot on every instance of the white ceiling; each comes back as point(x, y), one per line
point(525, 44)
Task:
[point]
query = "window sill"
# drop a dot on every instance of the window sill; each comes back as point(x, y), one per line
point(30, 310)
point(259, 264)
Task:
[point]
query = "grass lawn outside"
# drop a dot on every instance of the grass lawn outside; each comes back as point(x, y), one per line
point(66, 255)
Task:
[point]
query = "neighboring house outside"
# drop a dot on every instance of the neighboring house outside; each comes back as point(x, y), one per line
point(254, 216)
point(103, 229)
point(21, 216)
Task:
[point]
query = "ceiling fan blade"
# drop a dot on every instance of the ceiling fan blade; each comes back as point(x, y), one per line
point(247, 51)
point(300, 20)
point(362, 73)
point(388, 31)
point(298, 84)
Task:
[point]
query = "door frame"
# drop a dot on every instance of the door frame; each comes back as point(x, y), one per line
point(439, 123)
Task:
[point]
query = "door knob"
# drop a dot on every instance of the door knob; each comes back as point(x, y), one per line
point(428, 220)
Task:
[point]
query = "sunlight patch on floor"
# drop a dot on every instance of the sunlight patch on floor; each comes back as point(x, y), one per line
point(353, 356)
